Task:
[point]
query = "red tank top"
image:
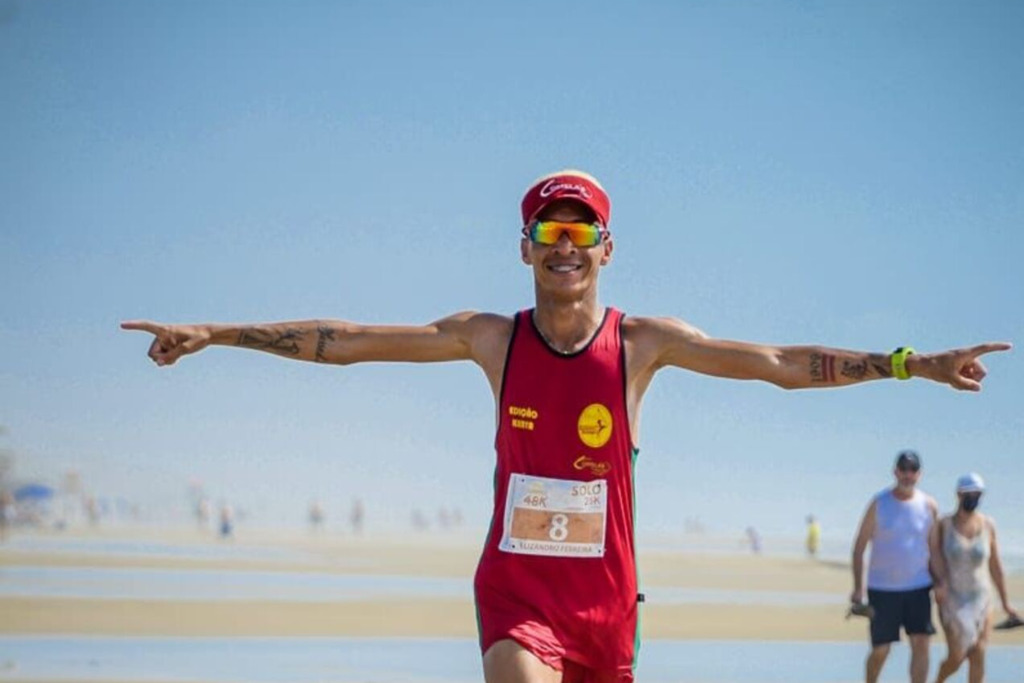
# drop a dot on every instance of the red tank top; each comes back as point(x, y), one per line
point(562, 553)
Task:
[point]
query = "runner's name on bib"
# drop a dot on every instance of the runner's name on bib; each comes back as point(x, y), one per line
point(558, 517)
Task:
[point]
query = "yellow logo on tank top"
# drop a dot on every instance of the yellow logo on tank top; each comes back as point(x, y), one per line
point(523, 417)
point(595, 425)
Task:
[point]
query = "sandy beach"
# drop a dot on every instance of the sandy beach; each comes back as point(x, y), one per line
point(717, 574)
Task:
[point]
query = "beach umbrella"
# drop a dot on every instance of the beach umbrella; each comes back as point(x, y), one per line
point(33, 492)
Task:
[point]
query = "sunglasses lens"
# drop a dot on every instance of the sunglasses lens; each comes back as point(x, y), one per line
point(580, 234)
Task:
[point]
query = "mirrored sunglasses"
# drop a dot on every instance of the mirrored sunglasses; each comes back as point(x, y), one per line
point(580, 234)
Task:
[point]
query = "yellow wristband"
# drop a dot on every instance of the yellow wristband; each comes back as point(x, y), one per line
point(898, 359)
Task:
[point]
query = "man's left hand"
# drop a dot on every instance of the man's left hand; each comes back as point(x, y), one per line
point(961, 369)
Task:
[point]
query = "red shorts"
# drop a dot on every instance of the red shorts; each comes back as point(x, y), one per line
point(590, 633)
point(540, 641)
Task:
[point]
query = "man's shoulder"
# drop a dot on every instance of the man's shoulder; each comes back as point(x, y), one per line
point(928, 499)
point(482, 319)
point(641, 326)
point(649, 320)
point(872, 506)
point(491, 318)
point(481, 330)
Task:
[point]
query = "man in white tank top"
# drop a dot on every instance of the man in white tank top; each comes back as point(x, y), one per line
point(896, 524)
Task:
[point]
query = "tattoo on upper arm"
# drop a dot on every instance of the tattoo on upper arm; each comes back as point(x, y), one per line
point(855, 369)
point(882, 370)
point(823, 367)
point(324, 334)
point(279, 342)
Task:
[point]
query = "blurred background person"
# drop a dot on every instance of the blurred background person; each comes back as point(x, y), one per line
point(316, 516)
point(6, 514)
point(356, 516)
point(813, 536)
point(965, 559)
point(753, 540)
point(203, 513)
point(227, 522)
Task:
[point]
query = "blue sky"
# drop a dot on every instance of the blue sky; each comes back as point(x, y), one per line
point(850, 174)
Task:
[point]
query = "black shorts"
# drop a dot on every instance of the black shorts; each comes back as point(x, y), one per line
point(910, 609)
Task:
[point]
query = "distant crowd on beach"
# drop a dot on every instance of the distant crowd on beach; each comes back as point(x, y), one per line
point(317, 518)
point(40, 507)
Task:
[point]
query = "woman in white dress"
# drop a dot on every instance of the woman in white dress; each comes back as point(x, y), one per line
point(965, 562)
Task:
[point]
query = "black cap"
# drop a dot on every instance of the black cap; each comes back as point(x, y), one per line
point(908, 459)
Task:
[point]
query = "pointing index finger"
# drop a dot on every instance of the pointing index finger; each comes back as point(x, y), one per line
point(990, 347)
point(141, 325)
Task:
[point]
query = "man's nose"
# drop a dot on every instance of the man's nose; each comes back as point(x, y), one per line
point(564, 245)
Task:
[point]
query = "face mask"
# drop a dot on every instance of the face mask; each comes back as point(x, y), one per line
point(970, 504)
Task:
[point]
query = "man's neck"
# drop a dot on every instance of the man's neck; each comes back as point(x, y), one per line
point(903, 494)
point(568, 326)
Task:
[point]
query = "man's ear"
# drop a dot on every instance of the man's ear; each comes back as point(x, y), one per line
point(524, 250)
point(608, 247)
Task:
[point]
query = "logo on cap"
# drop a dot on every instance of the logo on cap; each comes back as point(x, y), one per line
point(553, 186)
point(568, 184)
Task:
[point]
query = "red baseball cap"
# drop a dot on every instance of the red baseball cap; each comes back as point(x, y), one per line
point(568, 184)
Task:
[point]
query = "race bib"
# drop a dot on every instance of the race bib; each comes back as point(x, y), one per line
point(557, 517)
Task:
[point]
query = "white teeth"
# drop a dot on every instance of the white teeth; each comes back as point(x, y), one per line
point(564, 269)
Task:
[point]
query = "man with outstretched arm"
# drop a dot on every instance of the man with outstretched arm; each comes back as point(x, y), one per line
point(556, 588)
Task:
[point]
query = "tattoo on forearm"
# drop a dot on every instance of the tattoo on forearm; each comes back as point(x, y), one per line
point(855, 369)
point(324, 334)
point(823, 367)
point(882, 370)
point(278, 342)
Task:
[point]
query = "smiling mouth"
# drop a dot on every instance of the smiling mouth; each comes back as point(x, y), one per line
point(564, 268)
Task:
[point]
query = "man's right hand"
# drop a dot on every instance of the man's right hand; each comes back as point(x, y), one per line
point(857, 596)
point(171, 342)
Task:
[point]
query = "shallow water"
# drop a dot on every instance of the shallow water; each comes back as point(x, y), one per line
point(206, 584)
point(212, 584)
point(156, 549)
point(210, 549)
point(424, 660)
